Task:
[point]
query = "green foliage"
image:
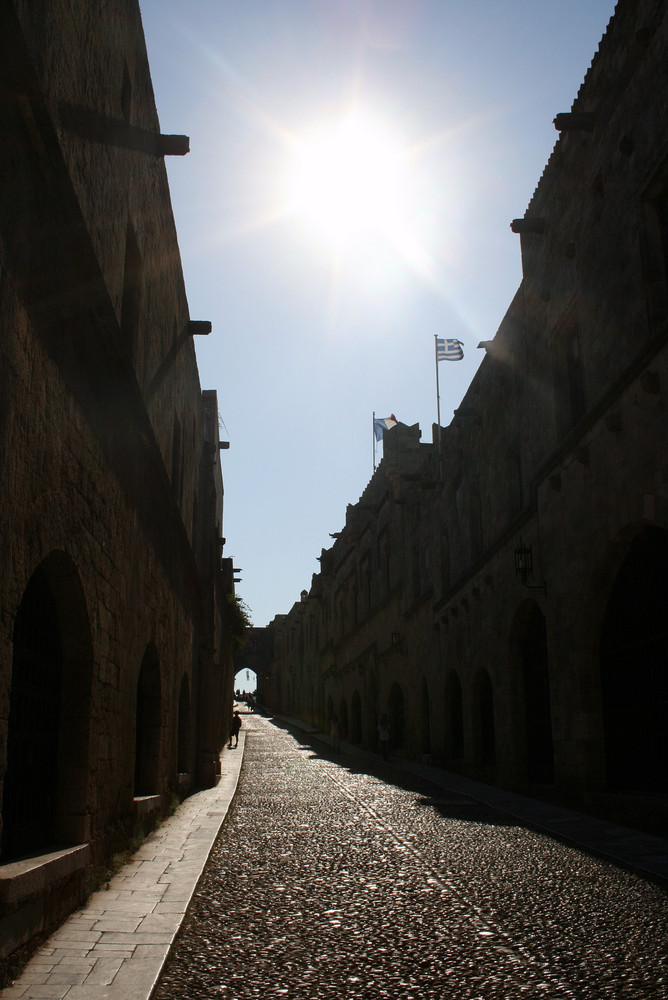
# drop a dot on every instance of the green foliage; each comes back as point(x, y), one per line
point(238, 620)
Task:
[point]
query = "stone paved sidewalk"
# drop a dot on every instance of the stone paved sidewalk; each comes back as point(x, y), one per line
point(114, 948)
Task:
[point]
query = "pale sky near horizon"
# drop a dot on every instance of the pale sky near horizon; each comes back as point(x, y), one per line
point(327, 286)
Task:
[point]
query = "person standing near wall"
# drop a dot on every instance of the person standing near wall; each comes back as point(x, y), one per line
point(384, 736)
point(235, 726)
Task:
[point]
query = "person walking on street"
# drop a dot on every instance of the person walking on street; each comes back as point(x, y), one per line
point(235, 726)
point(384, 736)
point(335, 734)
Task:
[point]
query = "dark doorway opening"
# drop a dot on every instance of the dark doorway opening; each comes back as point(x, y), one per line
point(454, 715)
point(634, 668)
point(397, 718)
point(147, 732)
point(537, 705)
point(356, 719)
point(426, 720)
point(484, 720)
point(31, 779)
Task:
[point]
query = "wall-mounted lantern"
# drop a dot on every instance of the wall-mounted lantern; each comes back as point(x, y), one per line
point(399, 642)
point(523, 556)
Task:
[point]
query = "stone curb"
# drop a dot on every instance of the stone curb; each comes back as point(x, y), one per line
point(114, 947)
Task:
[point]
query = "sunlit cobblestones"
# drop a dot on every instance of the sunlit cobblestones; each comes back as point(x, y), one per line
point(328, 880)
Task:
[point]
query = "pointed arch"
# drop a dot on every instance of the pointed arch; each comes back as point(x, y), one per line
point(343, 718)
point(528, 650)
point(483, 719)
point(397, 714)
point(148, 728)
point(356, 719)
point(425, 729)
point(184, 751)
point(46, 782)
point(454, 717)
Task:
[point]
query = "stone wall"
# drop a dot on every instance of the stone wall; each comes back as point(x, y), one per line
point(551, 680)
point(115, 663)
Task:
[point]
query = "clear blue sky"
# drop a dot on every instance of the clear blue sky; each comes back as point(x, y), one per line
point(315, 328)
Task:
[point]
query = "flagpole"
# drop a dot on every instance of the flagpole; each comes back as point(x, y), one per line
point(373, 435)
point(438, 408)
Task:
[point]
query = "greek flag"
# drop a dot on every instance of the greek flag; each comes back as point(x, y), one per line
point(449, 350)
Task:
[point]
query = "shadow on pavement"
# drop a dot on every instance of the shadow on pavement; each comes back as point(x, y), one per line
point(430, 794)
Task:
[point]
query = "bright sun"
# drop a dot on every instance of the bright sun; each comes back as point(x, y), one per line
point(349, 181)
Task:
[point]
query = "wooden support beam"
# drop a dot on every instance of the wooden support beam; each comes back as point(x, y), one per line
point(575, 121)
point(530, 225)
point(199, 328)
point(96, 127)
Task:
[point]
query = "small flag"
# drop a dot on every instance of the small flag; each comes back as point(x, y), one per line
point(449, 350)
point(382, 424)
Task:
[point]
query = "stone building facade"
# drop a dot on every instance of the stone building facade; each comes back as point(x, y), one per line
point(501, 591)
point(115, 659)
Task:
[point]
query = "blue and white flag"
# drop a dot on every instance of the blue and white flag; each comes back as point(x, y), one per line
point(382, 424)
point(449, 350)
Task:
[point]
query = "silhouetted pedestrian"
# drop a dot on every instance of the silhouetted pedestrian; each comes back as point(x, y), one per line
point(335, 734)
point(235, 726)
point(384, 736)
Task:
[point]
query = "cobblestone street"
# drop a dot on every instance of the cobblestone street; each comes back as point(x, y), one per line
point(332, 878)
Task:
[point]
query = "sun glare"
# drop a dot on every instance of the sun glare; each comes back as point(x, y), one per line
point(349, 181)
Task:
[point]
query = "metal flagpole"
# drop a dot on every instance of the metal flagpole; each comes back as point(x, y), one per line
point(438, 408)
point(373, 435)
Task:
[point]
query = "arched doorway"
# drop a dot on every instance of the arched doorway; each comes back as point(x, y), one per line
point(245, 680)
point(29, 815)
point(356, 719)
point(425, 735)
point(46, 782)
point(634, 668)
point(530, 642)
point(343, 718)
point(483, 719)
point(454, 718)
point(371, 711)
point(184, 754)
point(396, 713)
point(148, 726)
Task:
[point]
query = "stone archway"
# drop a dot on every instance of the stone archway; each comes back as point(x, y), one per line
point(356, 719)
point(425, 729)
point(184, 746)
point(454, 718)
point(148, 729)
point(343, 718)
point(483, 719)
point(397, 714)
point(633, 657)
point(46, 782)
point(528, 646)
